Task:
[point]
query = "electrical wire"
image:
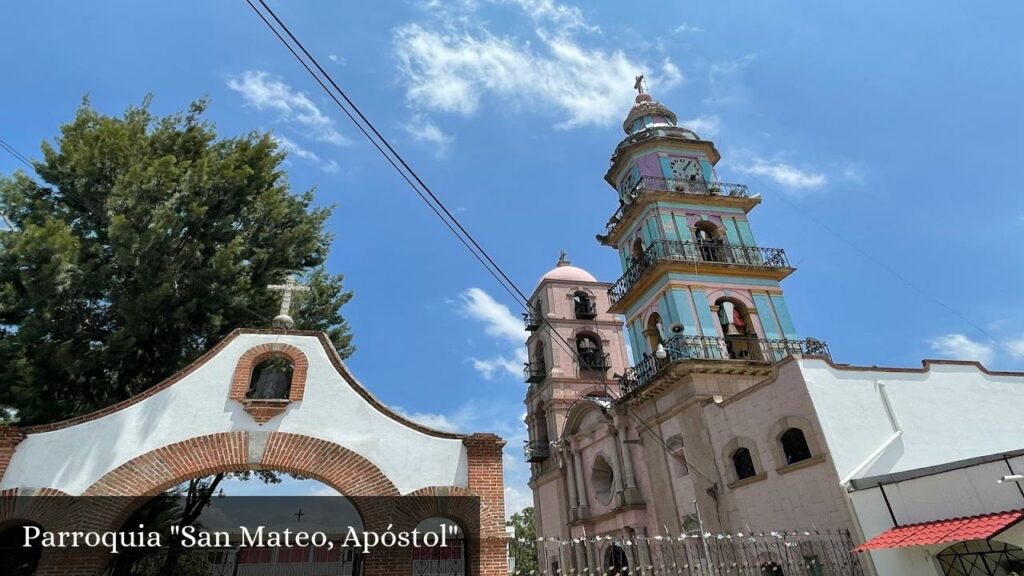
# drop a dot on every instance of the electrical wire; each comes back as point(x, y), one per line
point(403, 168)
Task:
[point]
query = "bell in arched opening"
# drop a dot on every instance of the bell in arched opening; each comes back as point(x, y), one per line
point(271, 379)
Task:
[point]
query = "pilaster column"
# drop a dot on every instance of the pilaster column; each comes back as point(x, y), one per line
point(581, 486)
point(632, 492)
point(568, 471)
point(616, 463)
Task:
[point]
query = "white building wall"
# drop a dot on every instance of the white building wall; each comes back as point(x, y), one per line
point(71, 459)
point(951, 412)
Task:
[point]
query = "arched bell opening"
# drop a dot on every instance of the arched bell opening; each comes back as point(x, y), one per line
point(741, 342)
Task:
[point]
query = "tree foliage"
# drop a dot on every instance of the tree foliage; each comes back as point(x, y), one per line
point(148, 240)
point(525, 546)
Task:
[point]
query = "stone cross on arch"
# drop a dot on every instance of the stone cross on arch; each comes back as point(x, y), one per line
point(290, 286)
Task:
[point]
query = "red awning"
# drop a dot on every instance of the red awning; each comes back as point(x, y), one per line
point(943, 531)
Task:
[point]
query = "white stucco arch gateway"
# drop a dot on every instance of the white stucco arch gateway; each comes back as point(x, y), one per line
point(199, 422)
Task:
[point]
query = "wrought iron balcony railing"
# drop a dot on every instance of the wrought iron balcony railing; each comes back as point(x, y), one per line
point(536, 451)
point(695, 186)
point(683, 348)
point(532, 320)
point(534, 372)
point(675, 251)
point(586, 310)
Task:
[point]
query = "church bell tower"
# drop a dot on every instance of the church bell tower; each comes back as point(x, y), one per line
point(695, 283)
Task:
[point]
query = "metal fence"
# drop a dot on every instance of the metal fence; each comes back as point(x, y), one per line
point(695, 186)
point(684, 348)
point(695, 252)
point(792, 553)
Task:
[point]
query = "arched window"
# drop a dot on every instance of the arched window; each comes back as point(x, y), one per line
point(538, 354)
point(271, 379)
point(743, 463)
point(584, 307)
point(710, 243)
point(602, 478)
point(653, 333)
point(740, 338)
point(540, 423)
point(449, 559)
point(981, 557)
point(638, 250)
point(617, 561)
point(536, 369)
point(794, 446)
point(588, 349)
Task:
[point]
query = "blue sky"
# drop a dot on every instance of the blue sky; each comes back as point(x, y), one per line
point(885, 139)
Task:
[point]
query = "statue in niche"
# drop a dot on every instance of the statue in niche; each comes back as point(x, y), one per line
point(271, 380)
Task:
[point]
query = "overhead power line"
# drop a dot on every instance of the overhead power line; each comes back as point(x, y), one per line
point(399, 164)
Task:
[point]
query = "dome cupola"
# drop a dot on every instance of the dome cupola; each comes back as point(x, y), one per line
point(564, 271)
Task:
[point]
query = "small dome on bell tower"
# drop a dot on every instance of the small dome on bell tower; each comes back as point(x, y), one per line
point(647, 113)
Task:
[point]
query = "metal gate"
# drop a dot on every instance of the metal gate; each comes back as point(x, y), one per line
point(803, 553)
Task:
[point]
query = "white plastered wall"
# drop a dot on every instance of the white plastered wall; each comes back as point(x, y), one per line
point(71, 459)
point(950, 413)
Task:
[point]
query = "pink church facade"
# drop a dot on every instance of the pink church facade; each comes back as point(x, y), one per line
point(679, 400)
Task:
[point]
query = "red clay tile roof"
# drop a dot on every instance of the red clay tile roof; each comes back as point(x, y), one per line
point(942, 531)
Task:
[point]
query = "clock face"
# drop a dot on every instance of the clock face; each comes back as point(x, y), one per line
point(685, 168)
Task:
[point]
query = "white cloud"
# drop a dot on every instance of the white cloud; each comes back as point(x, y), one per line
point(960, 347)
point(783, 174)
point(453, 66)
point(516, 499)
point(323, 490)
point(684, 28)
point(423, 129)
point(428, 419)
point(512, 366)
point(1016, 347)
point(499, 323)
point(294, 149)
point(706, 126)
point(337, 59)
point(560, 15)
point(264, 91)
point(854, 174)
point(725, 80)
point(498, 320)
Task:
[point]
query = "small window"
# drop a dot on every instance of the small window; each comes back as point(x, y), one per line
point(271, 379)
point(794, 446)
point(743, 463)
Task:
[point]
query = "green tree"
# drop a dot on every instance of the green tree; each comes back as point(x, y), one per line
point(148, 240)
point(524, 547)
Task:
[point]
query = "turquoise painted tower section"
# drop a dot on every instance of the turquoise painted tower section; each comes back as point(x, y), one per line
point(687, 249)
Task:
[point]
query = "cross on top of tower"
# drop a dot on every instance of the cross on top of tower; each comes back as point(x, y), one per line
point(639, 84)
point(290, 286)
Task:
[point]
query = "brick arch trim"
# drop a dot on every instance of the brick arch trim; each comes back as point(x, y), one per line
point(253, 356)
point(157, 470)
point(48, 507)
